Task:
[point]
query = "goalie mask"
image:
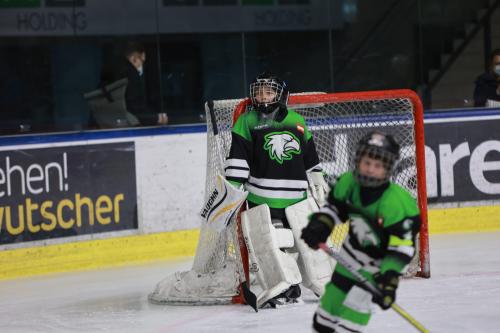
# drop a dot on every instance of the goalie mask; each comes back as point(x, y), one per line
point(268, 93)
point(377, 146)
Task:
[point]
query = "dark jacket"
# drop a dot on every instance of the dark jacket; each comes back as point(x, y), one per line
point(136, 97)
point(485, 88)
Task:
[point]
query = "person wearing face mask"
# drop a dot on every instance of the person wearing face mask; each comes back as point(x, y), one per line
point(136, 96)
point(487, 85)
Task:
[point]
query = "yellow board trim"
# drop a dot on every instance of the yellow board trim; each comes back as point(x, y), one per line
point(87, 255)
point(120, 251)
point(464, 219)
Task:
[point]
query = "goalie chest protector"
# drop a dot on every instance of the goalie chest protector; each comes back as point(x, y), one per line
point(278, 153)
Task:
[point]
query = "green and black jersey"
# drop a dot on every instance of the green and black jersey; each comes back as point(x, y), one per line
point(271, 157)
point(383, 224)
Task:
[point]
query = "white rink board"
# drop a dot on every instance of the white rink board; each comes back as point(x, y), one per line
point(170, 180)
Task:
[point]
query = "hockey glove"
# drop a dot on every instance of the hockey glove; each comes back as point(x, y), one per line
point(317, 231)
point(387, 283)
point(318, 187)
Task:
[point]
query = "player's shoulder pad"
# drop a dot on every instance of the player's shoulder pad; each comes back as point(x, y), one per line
point(397, 204)
point(295, 116)
point(343, 186)
point(242, 125)
point(296, 119)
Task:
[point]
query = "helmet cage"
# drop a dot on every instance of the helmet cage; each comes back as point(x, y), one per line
point(388, 159)
point(265, 84)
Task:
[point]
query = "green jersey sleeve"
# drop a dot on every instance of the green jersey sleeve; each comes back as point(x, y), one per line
point(401, 218)
point(237, 165)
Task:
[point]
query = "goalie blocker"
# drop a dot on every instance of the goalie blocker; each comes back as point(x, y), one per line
point(222, 204)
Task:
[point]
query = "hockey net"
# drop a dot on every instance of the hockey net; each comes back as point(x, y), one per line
point(337, 122)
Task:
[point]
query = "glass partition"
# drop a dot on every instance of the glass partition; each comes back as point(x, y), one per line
point(62, 62)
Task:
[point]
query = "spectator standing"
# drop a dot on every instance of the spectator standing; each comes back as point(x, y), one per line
point(487, 85)
point(136, 96)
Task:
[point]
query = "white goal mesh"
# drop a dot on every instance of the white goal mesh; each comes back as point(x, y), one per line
point(337, 122)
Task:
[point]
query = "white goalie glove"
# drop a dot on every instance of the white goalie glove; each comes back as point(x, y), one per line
point(318, 187)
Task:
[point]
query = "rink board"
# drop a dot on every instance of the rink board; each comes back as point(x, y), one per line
point(95, 254)
point(112, 252)
point(170, 177)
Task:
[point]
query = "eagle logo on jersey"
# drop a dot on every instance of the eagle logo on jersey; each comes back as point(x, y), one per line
point(281, 146)
point(364, 234)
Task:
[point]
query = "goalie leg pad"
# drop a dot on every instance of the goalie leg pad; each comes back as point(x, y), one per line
point(316, 267)
point(275, 270)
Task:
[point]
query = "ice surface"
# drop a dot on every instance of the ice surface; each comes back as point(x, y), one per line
point(463, 295)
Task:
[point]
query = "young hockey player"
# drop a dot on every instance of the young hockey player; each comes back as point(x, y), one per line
point(273, 155)
point(384, 220)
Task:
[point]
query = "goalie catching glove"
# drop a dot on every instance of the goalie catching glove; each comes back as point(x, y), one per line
point(318, 187)
point(387, 284)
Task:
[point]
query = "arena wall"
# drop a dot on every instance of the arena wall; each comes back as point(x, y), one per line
point(77, 201)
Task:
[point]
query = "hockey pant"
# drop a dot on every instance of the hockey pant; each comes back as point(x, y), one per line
point(343, 308)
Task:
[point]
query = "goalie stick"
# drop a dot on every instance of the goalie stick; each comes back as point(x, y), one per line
point(248, 296)
point(365, 284)
point(215, 130)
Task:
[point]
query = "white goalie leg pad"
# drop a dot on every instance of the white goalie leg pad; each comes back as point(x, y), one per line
point(315, 266)
point(275, 270)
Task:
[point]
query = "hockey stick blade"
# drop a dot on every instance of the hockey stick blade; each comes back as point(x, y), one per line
point(249, 296)
point(371, 288)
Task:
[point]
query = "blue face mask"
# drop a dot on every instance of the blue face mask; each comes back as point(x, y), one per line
point(497, 70)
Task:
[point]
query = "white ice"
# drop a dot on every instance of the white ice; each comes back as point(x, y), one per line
point(463, 295)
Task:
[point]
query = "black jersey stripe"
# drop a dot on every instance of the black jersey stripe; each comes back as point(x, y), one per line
point(236, 168)
point(294, 189)
point(237, 179)
point(352, 255)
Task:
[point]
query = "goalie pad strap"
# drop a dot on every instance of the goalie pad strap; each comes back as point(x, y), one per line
point(284, 238)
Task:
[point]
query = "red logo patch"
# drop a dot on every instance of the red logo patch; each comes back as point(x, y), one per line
point(300, 128)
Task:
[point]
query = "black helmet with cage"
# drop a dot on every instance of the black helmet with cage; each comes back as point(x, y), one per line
point(268, 93)
point(380, 146)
